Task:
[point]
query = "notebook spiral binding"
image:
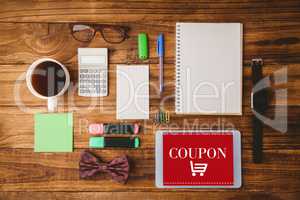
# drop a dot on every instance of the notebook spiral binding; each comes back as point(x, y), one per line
point(178, 99)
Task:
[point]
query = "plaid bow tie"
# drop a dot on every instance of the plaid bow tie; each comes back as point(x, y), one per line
point(90, 166)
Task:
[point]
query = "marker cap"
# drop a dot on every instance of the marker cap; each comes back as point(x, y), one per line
point(95, 129)
point(136, 142)
point(97, 142)
point(136, 129)
point(143, 46)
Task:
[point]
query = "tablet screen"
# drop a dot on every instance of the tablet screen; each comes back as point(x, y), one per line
point(198, 159)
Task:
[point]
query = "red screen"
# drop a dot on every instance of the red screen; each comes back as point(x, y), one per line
point(198, 158)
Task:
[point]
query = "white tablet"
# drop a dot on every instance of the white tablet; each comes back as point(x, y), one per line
point(198, 159)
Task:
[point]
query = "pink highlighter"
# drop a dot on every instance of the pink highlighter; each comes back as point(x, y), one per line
point(100, 129)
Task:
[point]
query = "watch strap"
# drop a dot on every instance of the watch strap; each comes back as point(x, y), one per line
point(257, 133)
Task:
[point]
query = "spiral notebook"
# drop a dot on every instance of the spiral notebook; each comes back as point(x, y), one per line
point(209, 68)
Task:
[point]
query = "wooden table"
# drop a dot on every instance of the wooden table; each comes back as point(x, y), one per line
point(29, 31)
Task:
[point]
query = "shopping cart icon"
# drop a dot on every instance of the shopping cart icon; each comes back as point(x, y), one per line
point(198, 168)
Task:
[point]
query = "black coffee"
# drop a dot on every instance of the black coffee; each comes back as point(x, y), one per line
point(48, 78)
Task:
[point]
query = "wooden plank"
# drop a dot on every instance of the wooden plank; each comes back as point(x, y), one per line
point(17, 129)
point(24, 170)
point(26, 42)
point(13, 86)
point(224, 195)
point(141, 11)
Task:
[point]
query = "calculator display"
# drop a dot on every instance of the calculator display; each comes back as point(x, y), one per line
point(86, 60)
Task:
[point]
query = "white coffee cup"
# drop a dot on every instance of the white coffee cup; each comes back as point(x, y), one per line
point(52, 99)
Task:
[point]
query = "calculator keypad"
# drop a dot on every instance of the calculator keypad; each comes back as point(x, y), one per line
point(93, 82)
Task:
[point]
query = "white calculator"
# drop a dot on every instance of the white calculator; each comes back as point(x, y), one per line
point(92, 72)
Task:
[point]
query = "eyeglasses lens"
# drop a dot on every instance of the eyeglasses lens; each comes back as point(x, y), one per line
point(83, 33)
point(113, 35)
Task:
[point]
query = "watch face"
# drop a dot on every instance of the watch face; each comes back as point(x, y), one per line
point(260, 101)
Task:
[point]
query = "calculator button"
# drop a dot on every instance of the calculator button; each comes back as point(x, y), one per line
point(93, 82)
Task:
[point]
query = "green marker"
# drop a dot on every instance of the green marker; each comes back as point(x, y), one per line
point(125, 142)
point(143, 46)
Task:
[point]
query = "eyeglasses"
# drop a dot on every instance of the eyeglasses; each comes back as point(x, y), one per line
point(111, 33)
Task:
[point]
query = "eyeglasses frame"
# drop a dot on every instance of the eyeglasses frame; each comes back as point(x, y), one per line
point(123, 30)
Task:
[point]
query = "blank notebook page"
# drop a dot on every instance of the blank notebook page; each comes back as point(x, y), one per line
point(132, 92)
point(209, 68)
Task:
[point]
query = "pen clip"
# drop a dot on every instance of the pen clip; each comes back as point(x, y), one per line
point(160, 45)
point(157, 46)
point(252, 104)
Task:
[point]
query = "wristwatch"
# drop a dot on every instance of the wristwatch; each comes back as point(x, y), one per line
point(259, 104)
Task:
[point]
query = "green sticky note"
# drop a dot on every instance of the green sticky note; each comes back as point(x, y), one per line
point(53, 132)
